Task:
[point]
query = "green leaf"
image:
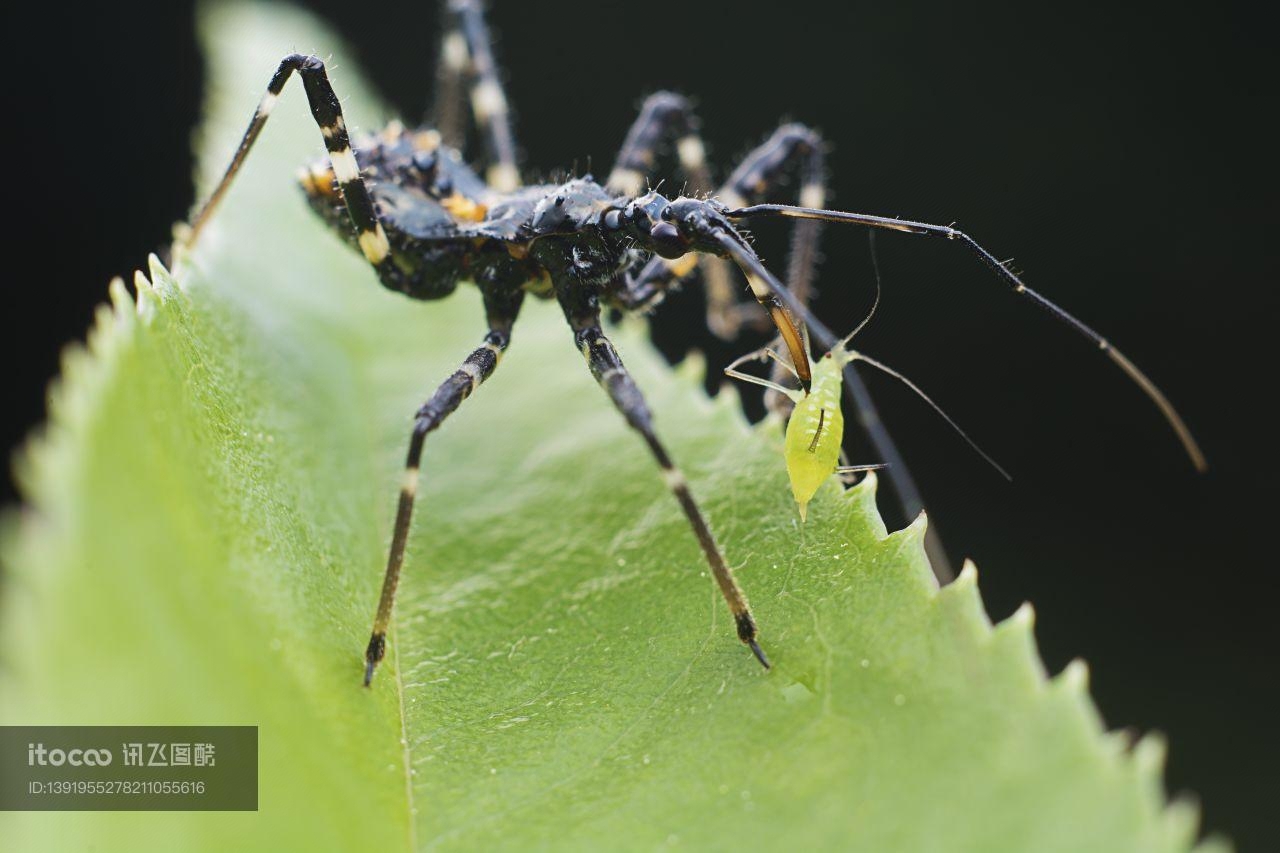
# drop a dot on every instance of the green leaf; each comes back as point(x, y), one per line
point(207, 520)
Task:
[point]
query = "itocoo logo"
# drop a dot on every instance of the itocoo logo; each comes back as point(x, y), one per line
point(37, 754)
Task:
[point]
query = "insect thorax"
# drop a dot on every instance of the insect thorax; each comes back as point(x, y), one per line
point(445, 224)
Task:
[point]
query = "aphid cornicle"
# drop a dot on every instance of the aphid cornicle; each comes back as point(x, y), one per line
point(426, 221)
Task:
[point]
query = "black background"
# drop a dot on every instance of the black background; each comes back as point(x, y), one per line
point(1126, 158)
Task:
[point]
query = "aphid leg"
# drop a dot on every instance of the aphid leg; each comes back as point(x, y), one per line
point(328, 115)
point(760, 354)
point(469, 46)
point(609, 371)
point(780, 364)
point(756, 380)
point(663, 114)
point(767, 353)
point(474, 370)
point(848, 473)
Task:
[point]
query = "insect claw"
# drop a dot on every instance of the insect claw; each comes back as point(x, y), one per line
point(759, 653)
point(373, 654)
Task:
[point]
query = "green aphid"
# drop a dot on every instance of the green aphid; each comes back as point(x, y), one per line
point(815, 429)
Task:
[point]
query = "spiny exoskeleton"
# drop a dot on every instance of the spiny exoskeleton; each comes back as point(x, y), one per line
point(425, 221)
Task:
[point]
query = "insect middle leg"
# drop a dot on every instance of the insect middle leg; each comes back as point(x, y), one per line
point(448, 397)
point(607, 367)
point(466, 54)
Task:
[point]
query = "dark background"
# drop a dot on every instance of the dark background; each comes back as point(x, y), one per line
point(1126, 158)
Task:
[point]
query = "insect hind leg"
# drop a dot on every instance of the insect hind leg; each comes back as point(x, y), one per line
point(326, 110)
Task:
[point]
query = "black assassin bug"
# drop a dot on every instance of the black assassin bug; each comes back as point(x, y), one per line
point(426, 221)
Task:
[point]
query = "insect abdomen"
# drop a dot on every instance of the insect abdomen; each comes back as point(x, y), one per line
point(813, 441)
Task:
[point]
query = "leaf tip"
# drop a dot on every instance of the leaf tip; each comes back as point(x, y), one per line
point(1149, 754)
point(1075, 676)
point(121, 300)
point(1023, 618)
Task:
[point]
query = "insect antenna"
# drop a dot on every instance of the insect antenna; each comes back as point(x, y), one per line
point(1019, 287)
point(884, 368)
point(875, 267)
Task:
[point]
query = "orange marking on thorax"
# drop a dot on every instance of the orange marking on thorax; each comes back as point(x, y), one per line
point(684, 265)
point(464, 209)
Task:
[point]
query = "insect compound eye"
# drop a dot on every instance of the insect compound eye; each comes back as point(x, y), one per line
point(425, 161)
point(612, 220)
point(666, 240)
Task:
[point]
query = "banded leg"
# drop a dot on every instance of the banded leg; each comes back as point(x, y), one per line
point(328, 115)
point(467, 51)
point(662, 114)
point(474, 370)
point(452, 69)
point(609, 371)
point(759, 172)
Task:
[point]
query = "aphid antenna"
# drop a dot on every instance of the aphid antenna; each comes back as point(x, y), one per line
point(875, 266)
point(884, 368)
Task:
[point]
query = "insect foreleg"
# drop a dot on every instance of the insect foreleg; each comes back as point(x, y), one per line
point(607, 367)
